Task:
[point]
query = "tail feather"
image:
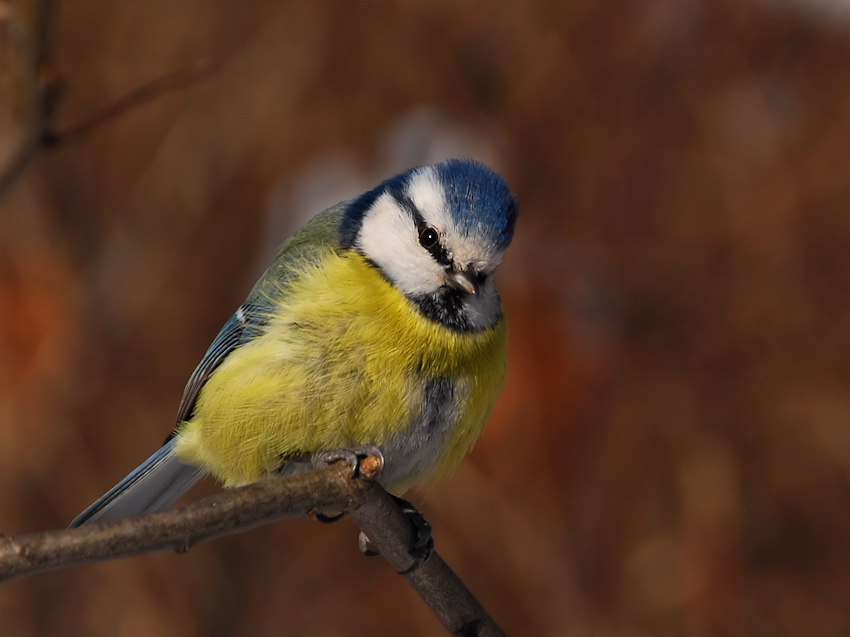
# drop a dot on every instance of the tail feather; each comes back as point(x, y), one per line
point(155, 485)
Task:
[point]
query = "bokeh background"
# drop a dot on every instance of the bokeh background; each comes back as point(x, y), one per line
point(671, 455)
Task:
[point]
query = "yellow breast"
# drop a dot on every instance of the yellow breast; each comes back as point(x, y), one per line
point(343, 361)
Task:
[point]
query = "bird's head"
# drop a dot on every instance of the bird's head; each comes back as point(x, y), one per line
point(437, 234)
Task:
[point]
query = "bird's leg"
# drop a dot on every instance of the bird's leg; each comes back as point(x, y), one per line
point(351, 455)
point(421, 540)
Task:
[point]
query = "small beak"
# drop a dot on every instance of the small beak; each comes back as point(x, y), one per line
point(464, 281)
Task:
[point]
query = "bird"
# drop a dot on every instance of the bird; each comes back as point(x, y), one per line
point(377, 323)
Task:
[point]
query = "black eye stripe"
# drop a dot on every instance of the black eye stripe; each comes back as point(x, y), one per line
point(428, 237)
point(437, 250)
point(440, 255)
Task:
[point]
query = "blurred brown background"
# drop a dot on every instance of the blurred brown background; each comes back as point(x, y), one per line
point(672, 451)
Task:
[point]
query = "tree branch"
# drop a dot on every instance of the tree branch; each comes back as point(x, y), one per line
point(437, 584)
point(331, 489)
point(153, 90)
point(179, 529)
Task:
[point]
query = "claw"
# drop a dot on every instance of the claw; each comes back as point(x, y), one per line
point(353, 456)
point(329, 518)
point(356, 457)
point(422, 541)
point(366, 546)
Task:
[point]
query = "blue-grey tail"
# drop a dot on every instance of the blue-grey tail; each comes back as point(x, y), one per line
point(155, 485)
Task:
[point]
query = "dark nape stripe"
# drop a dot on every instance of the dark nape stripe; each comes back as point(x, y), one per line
point(352, 220)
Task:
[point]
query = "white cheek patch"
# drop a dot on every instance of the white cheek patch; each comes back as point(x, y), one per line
point(388, 237)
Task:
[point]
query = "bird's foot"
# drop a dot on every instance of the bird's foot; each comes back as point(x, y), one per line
point(421, 539)
point(355, 457)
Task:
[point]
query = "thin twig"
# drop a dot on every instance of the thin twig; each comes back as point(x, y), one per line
point(444, 592)
point(179, 529)
point(332, 489)
point(42, 94)
point(149, 92)
point(41, 135)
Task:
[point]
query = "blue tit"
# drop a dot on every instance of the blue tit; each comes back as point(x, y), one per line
point(377, 323)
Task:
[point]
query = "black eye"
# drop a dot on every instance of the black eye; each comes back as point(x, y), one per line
point(428, 237)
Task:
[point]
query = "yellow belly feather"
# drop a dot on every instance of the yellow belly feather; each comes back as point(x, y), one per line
point(342, 363)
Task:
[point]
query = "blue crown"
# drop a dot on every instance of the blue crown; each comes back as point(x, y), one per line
point(479, 199)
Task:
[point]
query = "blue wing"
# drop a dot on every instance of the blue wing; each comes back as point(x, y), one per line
point(163, 478)
point(153, 486)
point(245, 324)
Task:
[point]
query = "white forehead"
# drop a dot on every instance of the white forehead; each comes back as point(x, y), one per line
point(427, 194)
